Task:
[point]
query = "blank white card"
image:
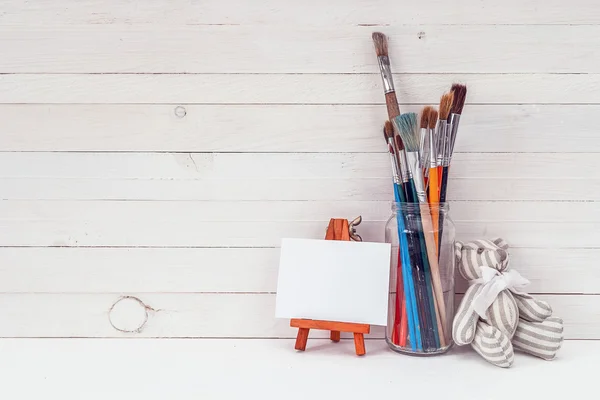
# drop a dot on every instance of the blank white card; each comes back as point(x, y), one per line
point(334, 280)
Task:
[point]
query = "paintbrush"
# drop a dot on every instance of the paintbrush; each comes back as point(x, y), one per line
point(424, 142)
point(388, 136)
point(409, 305)
point(459, 94)
point(389, 139)
point(434, 189)
point(458, 102)
point(441, 132)
point(381, 49)
point(407, 127)
point(398, 197)
point(401, 155)
point(414, 248)
point(434, 199)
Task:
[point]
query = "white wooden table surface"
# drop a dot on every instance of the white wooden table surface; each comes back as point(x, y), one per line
point(271, 369)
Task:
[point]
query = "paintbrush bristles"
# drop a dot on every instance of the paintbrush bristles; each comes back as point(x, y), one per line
point(446, 105)
point(380, 42)
point(388, 131)
point(460, 95)
point(399, 144)
point(433, 116)
point(425, 115)
point(409, 131)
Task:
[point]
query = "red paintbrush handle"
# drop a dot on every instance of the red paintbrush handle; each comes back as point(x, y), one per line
point(403, 326)
point(398, 303)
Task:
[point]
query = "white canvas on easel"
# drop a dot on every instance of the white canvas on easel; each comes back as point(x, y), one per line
point(334, 280)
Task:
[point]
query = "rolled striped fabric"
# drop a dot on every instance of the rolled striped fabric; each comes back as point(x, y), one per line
point(513, 321)
point(504, 314)
point(532, 309)
point(493, 345)
point(541, 339)
point(465, 319)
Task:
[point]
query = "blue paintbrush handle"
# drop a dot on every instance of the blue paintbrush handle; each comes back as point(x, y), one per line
point(419, 257)
point(407, 279)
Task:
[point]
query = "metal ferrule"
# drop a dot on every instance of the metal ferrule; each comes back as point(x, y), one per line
point(440, 136)
point(424, 148)
point(432, 149)
point(417, 174)
point(386, 74)
point(454, 120)
point(394, 162)
point(447, 145)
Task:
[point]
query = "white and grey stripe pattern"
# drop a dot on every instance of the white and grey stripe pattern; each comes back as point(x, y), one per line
point(465, 320)
point(473, 255)
point(493, 345)
point(503, 313)
point(519, 317)
point(532, 309)
point(500, 243)
point(541, 339)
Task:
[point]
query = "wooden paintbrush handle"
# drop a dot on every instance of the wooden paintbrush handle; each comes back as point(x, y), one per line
point(434, 200)
point(443, 186)
point(399, 300)
point(403, 332)
point(435, 273)
point(415, 251)
point(392, 105)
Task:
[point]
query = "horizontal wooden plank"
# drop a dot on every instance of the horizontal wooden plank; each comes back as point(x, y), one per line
point(167, 224)
point(149, 233)
point(415, 88)
point(203, 315)
point(553, 270)
point(281, 128)
point(306, 49)
point(273, 12)
point(311, 189)
point(240, 270)
point(296, 176)
point(233, 166)
point(198, 212)
point(234, 368)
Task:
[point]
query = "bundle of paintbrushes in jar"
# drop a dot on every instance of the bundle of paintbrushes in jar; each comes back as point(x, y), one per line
point(420, 229)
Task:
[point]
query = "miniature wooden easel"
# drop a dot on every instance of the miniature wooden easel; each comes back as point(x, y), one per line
point(339, 229)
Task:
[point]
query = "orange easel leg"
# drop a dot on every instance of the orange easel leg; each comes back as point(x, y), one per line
point(302, 338)
point(335, 336)
point(359, 344)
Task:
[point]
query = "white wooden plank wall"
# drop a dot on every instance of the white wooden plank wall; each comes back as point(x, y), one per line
point(160, 149)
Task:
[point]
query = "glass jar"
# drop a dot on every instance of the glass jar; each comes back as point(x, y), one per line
point(421, 299)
